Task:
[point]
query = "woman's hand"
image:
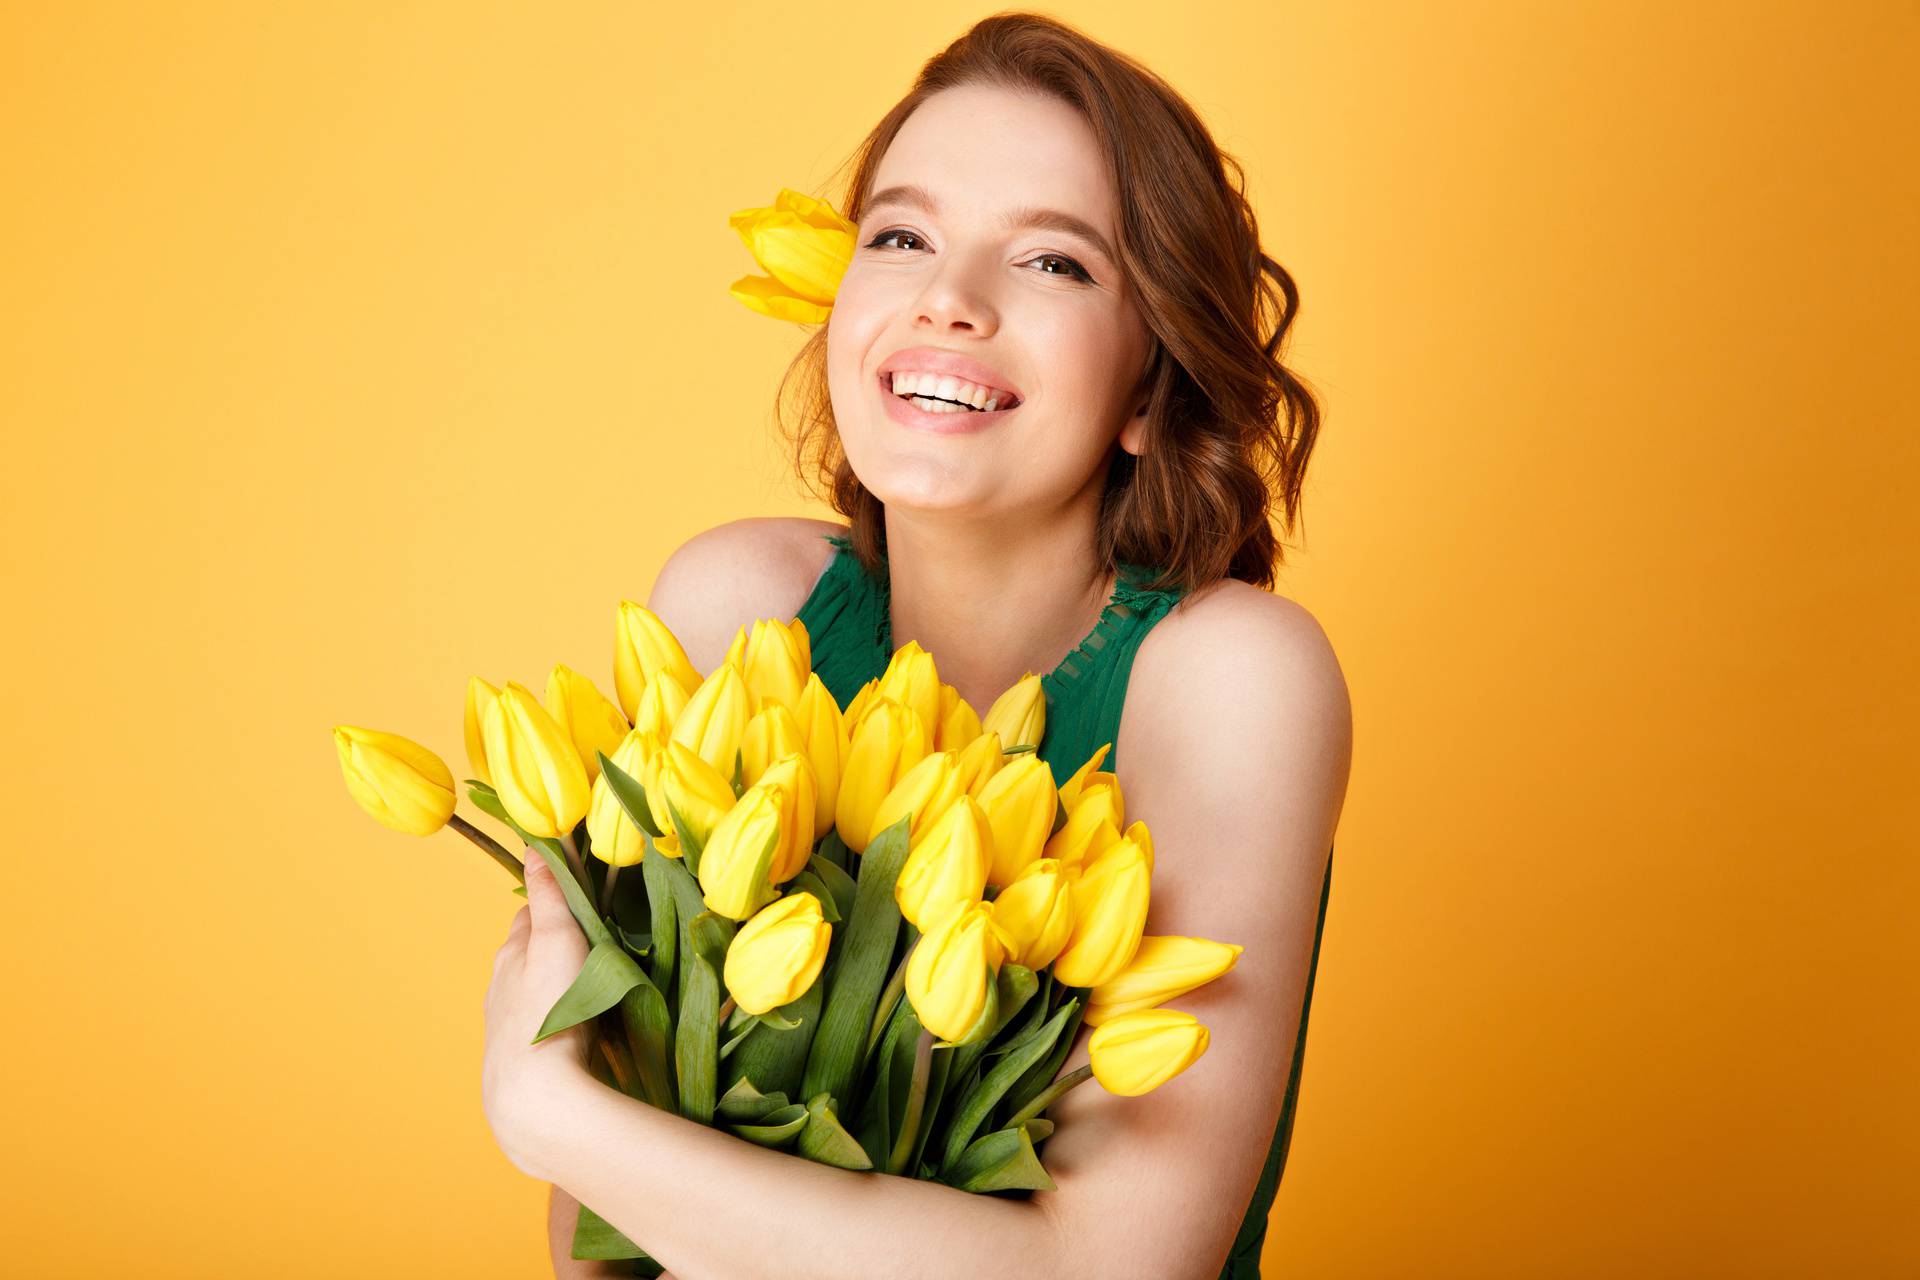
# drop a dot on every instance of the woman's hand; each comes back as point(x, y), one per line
point(522, 1083)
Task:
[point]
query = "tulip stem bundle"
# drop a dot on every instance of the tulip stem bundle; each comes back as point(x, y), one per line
point(866, 936)
point(494, 849)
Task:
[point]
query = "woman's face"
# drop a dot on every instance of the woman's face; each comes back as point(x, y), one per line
point(1044, 309)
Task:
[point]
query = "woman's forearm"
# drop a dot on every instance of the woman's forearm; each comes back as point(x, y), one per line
point(562, 1213)
point(710, 1206)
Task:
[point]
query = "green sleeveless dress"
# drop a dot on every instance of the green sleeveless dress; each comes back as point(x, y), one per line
point(850, 630)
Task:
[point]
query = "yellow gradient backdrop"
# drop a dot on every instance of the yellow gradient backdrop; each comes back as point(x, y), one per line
point(348, 350)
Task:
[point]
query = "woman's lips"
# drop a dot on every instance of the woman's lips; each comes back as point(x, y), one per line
point(961, 422)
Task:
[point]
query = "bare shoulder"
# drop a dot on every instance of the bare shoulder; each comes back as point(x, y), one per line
point(727, 577)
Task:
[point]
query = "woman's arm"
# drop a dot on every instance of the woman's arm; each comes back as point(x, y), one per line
point(1240, 778)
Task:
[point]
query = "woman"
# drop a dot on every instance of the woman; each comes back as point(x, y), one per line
point(1045, 219)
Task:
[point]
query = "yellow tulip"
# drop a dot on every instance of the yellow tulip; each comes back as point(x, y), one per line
point(537, 771)
point(772, 732)
point(1036, 911)
point(823, 729)
point(1019, 801)
point(861, 701)
point(1070, 789)
point(776, 955)
point(923, 792)
point(805, 246)
point(1109, 917)
point(736, 655)
point(1088, 832)
point(912, 678)
point(802, 642)
point(642, 645)
point(397, 781)
point(592, 722)
point(1136, 1053)
point(793, 775)
point(980, 759)
point(615, 838)
point(1164, 968)
point(888, 741)
point(950, 975)
point(480, 696)
point(1137, 832)
point(682, 779)
point(1019, 715)
point(775, 669)
point(959, 723)
point(662, 699)
point(736, 866)
point(715, 718)
point(1103, 788)
point(947, 870)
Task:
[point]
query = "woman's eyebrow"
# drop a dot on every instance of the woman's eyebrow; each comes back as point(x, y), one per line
point(913, 195)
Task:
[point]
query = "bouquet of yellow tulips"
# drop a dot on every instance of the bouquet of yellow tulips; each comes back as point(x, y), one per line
point(867, 937)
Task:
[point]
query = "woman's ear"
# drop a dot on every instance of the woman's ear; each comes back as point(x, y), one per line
point(1134, 435)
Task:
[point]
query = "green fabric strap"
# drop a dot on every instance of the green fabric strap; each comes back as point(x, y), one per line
point(850, 631)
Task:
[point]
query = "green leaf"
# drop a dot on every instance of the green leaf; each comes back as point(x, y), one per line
point(866, 957)
point(778, 1057)
point(637, 944)
point(1016, 987)
point(666, 924)
point(696, 1035)
point(520, 889)
point(1042, 1074)
point(994, 1085)
point(807, 882)
point(1003, 1161)
point(837, 882)
point(631, 795)
point(833, 849)
point(825, 1141)
point(690, 845)
point(644, 1014)
point(607, 975)
point(1059, 821)
point(595, 1237)
point(744, 1104)
point(579, 900)
point(778, 1128)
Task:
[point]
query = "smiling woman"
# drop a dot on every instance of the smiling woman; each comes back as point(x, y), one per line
point(1048, 399)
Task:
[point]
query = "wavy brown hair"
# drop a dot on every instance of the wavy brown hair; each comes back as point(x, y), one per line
point(1229, 427)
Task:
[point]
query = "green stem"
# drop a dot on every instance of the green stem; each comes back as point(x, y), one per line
point(606, 889)
point(1049, 1095)
point(575, 863)
point(889, 998)
point(494, 849)
point(916, 1104)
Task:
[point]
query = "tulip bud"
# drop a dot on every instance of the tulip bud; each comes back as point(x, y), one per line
point(662, 699)
point(614, 838)
point(1136, 1053)
point(1070, 789)
point(736, 657)
point(1109, 917)
point(947, 870)
point(923, 792)
point(823, 729)
point(689, 784)
point(805, 246)
point(715, 719)
point(793, 775)
point(959, 723)
point(736, 865)
point(950, 975)
point(1137, 832)
point(1088, 832)
point(776, 956)
point(861, 701)
point(1036, 912)
point(802, 643)
point(480, 696)
point(1164, 968)
point(980, 759)
point(592, 723)
point(642, 645)
point(772, 663)
point(537, 771)
point(1019, 715)
point(887, 741)
point(397, 781)
point(911, 678)
point(772, 732)
point(1019, 802)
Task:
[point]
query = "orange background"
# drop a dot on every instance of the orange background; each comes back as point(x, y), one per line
point(350, 350)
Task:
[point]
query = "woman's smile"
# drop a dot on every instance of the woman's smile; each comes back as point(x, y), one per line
point(953, 420)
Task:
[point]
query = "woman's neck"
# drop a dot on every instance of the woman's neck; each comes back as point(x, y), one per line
point(990, 605)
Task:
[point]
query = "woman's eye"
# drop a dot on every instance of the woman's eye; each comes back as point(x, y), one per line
point(1074, 271)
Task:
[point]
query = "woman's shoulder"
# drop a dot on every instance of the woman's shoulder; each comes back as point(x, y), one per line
point(1243, 644)
point(733, 574)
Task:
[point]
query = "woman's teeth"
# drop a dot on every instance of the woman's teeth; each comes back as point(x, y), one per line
point(939, 406)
